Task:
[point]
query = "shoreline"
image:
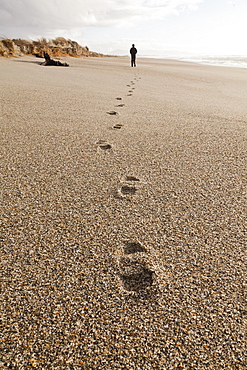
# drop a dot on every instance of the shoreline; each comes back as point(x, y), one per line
point(234, 61)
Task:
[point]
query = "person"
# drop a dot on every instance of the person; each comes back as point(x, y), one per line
point(133, 52)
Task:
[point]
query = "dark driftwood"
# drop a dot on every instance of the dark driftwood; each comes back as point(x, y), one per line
point(51, 62)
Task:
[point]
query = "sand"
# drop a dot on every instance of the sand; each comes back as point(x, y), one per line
point(123, 215)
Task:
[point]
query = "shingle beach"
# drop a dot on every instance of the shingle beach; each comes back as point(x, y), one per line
point(123, 215)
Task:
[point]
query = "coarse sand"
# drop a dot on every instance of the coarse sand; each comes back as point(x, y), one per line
point(123, 215)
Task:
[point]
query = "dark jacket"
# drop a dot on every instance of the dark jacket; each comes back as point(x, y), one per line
point(133, 51)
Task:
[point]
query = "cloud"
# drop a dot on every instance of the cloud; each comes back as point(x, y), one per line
point(50, 15)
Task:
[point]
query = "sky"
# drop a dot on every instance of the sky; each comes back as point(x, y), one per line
point(156, 27)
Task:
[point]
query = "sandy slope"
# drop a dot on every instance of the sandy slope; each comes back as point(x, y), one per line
point(123, 248)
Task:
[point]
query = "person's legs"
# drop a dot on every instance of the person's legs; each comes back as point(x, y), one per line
point(134, 61)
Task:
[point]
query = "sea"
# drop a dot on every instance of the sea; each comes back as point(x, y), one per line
point(237, 61)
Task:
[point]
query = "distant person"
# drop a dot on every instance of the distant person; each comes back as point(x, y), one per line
point(133, 52)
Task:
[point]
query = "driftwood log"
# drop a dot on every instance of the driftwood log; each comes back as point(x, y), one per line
point(51, 62)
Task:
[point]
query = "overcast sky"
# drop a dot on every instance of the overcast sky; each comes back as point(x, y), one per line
point(155, 26)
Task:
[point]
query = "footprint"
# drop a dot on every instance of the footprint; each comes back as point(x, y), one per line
point(112, 113)
point(120, 105)
point(135, 276)
point(128, 85)
point(118, 126)
point(130, 91)
point(133, 247)
point(129, 94)
point(99, 142)
point(135, 268)
point(103, 145)
point(128, 190)
point(119, 98)
point(131, 178)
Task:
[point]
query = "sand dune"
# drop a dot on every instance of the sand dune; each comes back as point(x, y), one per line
point(123, 215)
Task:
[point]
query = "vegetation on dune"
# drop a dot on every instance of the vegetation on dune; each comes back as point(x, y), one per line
point(55, 48)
